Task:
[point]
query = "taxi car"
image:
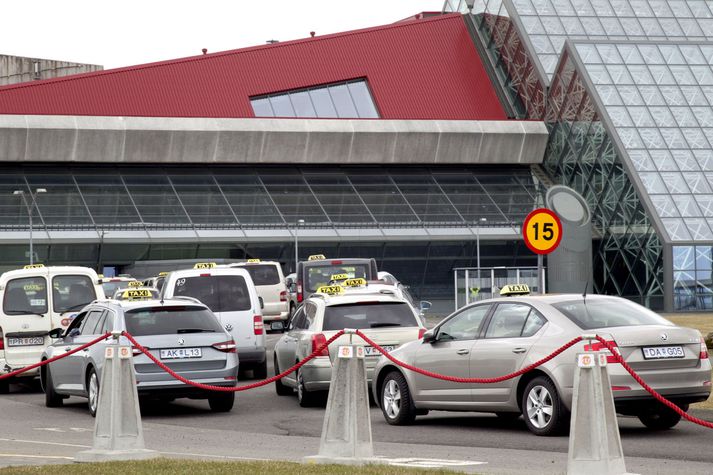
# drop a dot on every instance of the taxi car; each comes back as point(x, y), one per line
point(317, 271)
point(112, 284)
point(269, 281)
point(134, 293)
point(382, 315)
point(499, 336)
point(186, 336)
point(33, 301)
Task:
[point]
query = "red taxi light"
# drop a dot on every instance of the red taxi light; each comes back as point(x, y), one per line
point(225, 346)
point(258, 326)
point(204, 275)
point(598, 346)
point(336, 263)
point(283, 296)
point(318, 340)
point(421, 332)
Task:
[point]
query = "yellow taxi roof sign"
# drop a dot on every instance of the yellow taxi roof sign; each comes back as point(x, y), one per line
point(330, 289)
point(101, 276)
point(204, 265)
point(162, 274)
point(339, 277)
point(135, 283)
point(354, 282)
point(33, 266)
point(253, 261)
point(316, 257)
point(137, 294)
point(515, 289)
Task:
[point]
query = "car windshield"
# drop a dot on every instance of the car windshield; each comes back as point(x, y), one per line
point(263, 274)
point(171, 320)
point(71, 292)
point(368, 315)
point(320, 275)
point(221, 293)
point(608, 312)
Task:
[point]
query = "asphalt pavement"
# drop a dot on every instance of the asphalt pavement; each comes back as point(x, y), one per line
point(266, 426)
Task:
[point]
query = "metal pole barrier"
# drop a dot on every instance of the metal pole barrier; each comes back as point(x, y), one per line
point(118, 434)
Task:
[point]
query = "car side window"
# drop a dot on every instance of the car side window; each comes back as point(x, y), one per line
point(90, 322)
point(298, 319)
point(509, 321)
point(310, 313)
point(534, 322)
point(76, 322)
point(108, 323)
point(465, 325)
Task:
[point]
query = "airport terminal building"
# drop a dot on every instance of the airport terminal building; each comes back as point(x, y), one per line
point(415, 143)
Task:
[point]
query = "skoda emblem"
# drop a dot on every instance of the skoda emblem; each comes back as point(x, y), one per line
point(181, 341)
point(229, 327)
point(664, 337)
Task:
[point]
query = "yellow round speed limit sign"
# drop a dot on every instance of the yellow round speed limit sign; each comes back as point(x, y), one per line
point(542, 231)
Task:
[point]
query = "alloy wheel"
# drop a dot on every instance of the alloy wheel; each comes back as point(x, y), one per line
point(93, 392)
point(392, 399)
point(539, 406)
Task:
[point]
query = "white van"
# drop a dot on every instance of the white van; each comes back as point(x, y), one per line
point(28, 310)
point(232, 297)
point(270, 284)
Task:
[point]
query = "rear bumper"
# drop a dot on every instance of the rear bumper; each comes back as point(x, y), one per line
point(281, 312)
point(251, 356)
point(637, 404)
point(5, 368)
point(317, 374)
point(180, 390)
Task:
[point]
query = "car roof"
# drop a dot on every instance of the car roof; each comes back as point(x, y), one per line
point(135, 304)
point(49, 270)
point(357, 297)
point(246, 263)
point(212, 271)
point(549, 298)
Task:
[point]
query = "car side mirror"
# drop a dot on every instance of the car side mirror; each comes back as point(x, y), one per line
point(56, 332)
point(429, 336)
point(425, 305)
point(73, 332)
point(262, 303)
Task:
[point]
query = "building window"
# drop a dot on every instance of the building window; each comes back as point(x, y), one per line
point(342, 100)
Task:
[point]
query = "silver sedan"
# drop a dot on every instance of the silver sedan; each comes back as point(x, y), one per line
point(500, 336)
point(185, 336)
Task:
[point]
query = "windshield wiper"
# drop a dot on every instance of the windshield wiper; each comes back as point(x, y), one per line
point(23, 312)
point(194, 330)
point(385, 324)
point(74, 307)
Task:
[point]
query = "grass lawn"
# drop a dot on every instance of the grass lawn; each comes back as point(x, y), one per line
point(164, 466)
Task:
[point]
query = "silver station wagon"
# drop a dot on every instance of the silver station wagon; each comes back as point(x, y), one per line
point(496, 337)
point(184, 335)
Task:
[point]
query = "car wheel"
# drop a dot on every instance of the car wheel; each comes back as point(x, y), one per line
point(661, 418)
point(221, 402)
point(260, 371)
point(281, 389)
point(306, 398)
point(396, 402)
point(52, 399)
point(93, 392)
point(542, 408)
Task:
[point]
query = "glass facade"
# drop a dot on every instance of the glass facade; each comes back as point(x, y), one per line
point(343, 100)
point(245, 197)
point(693, 277)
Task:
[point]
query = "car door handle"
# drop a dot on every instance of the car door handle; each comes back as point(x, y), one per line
point(519, 350)
point(462, 352)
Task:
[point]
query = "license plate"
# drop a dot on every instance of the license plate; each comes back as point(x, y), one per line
point(28, 341)
point(276, 326)
point(371, 351)
point(662, 352)
point(176, 353)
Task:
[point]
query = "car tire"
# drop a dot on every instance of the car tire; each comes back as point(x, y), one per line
point(92, 392)
point(260, 370)
point(306, 398)
point(52, 399)
point(542, 408)
point(280, 388)
point(396, 402)
point(661, 418)
point(221, 402)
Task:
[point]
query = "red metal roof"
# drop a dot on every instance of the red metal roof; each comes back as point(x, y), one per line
point(421, 69)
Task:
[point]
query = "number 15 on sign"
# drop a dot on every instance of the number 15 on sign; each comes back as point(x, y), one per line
point(542, 231)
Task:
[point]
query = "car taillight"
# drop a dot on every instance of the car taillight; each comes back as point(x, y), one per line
point(2, 340)
point(318, 340)
point(258, 326)
point(703, 355)
point(598, 346)
point(225, 346)
point(421, 332)
point(299, 291)
point(283, 296)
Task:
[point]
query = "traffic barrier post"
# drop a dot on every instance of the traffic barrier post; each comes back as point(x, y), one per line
point(118, 434)
point(594, 440)
point(346, 431)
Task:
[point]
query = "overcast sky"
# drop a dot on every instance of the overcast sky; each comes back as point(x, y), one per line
point(128, 32)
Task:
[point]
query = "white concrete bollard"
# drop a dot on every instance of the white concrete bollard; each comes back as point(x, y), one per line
point(118, 434)
point(594, 441)
point(346, 432)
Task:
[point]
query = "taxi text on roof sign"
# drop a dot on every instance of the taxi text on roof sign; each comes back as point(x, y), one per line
point(163, 274)
point(339, 277)
point(316, 257)
point(137, 294)
point(355, 282)
point(515, 289)
point(33, 266)
point(330, 289)
point(204, 265)
point(253, 261)
point(136, 283)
